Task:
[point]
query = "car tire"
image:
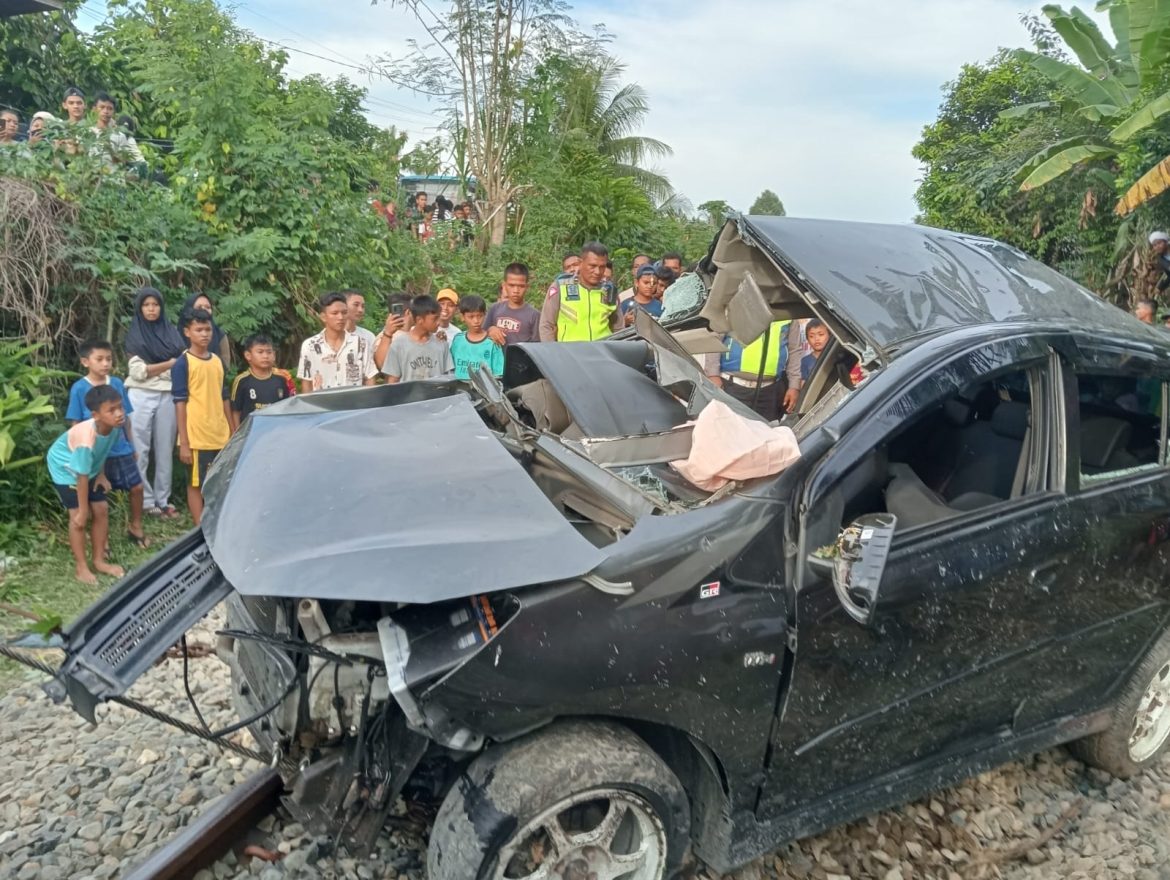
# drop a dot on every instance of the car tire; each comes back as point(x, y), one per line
point(590, 795)
point(1139, 728)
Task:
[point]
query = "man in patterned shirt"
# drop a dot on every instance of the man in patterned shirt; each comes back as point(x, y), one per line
point(335, 357)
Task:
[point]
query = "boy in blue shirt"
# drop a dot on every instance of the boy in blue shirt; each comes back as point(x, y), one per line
point(97, 359)
point(817, 335)
point(75, 461)
point(644, 298)
point(474, 347)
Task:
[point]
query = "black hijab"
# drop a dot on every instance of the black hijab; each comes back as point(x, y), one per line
point(153, 341)
point(216, 333)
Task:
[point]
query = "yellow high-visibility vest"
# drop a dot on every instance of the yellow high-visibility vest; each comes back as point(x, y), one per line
point(748, 358)
point(585, 313)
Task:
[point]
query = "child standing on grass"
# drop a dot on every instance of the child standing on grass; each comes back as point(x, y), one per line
point(201, 405)
point(121, 470)
point(75, 461)
point(261, 384)
point(474, 347)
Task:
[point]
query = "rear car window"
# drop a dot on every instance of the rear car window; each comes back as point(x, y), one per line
point(1122, 424)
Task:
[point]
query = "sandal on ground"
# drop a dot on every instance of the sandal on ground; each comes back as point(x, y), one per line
point(154, 511)
point(169, 512)
point(139, 541)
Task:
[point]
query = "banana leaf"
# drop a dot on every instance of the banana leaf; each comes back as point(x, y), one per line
point(1082, 140)
point(1081, 34)
point(1145, 17)
point(1078, 83)
point(1065, 161)
point(1155, 52)
point(1097, 112)
point(1146, 116)
point(1151, 185)
point(1119, 24)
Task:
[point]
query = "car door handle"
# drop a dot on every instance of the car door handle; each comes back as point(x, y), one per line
point(1045, 573)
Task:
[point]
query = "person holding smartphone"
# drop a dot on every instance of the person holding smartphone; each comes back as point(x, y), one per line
point(643, 298)
point(398, 318)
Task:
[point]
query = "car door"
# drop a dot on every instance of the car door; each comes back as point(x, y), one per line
point(942, 667)
point(1113, 602)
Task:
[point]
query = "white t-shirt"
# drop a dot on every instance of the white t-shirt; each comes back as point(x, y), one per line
point(349, 366)
point(367, 335)
point(448, 333)
point(122, 144)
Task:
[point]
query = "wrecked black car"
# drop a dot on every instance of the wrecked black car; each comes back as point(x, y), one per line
point(501, 594)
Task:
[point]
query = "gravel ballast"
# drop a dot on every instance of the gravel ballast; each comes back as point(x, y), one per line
point(90, 802)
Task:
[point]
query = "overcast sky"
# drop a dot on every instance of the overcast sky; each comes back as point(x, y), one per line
point(818, 100)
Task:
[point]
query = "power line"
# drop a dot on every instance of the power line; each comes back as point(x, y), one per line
point(340, 58)
point(404, 116)
point(344, 58)
point(92, 16)
point(367, 70)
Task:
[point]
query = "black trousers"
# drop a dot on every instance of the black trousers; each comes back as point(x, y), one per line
point(768, 402)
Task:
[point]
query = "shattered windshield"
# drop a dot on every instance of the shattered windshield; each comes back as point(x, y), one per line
point(683, 297)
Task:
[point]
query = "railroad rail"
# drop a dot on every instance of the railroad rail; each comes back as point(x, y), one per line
point(213, 832)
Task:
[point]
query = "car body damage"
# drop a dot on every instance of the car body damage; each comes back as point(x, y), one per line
point(428, 469)
point(493, 562)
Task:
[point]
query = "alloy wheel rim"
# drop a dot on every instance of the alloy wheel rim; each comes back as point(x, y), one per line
point(602, 834)
point(1151, 721)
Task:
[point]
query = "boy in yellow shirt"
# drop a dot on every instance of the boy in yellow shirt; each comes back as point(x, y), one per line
point(201, 405)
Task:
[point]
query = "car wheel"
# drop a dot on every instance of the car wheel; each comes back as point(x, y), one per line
point(580, 800)
point(1140, 725)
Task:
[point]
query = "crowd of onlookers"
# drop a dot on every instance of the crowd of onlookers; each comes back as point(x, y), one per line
point(175, 392)
point(443, 223)
point(109, 137)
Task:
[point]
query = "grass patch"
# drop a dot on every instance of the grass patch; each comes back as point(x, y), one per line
point(42, 582)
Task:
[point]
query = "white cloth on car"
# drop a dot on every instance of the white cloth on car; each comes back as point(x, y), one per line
point(726, 446)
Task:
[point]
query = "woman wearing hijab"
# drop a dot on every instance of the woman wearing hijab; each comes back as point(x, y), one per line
point(153, 344)
point(219, 340)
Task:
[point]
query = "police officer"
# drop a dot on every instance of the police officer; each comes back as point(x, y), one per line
point(765, 375)
point(581, 307)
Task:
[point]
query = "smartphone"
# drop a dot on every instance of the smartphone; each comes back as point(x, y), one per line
point(397, 309)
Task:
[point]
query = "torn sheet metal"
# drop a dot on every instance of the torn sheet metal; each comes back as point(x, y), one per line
point(412, 503)
point(604, 386)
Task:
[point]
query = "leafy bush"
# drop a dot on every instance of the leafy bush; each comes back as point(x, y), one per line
point(22, 398)
point(27, 427)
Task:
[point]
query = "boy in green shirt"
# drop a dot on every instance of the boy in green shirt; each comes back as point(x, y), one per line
point(474, 347)
point(76, 460)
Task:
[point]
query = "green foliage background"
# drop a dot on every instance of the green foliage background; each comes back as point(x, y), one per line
point(257, 192)
point(1002, 118)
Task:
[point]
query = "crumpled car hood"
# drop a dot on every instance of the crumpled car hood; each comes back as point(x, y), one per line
point(418, 502)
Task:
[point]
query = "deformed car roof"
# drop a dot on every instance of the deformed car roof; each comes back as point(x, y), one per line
point(894, 283)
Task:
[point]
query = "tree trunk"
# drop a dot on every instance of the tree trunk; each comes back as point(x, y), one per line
point(498, 224)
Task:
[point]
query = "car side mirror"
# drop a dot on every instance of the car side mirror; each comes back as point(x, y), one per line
point(862, 549)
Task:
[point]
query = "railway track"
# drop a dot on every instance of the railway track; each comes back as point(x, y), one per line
point(209, 836)
point(214, 831)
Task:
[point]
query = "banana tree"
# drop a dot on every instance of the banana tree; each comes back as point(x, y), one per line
point(1110, 87)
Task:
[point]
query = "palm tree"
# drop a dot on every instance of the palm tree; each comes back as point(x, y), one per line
point(595, 105)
